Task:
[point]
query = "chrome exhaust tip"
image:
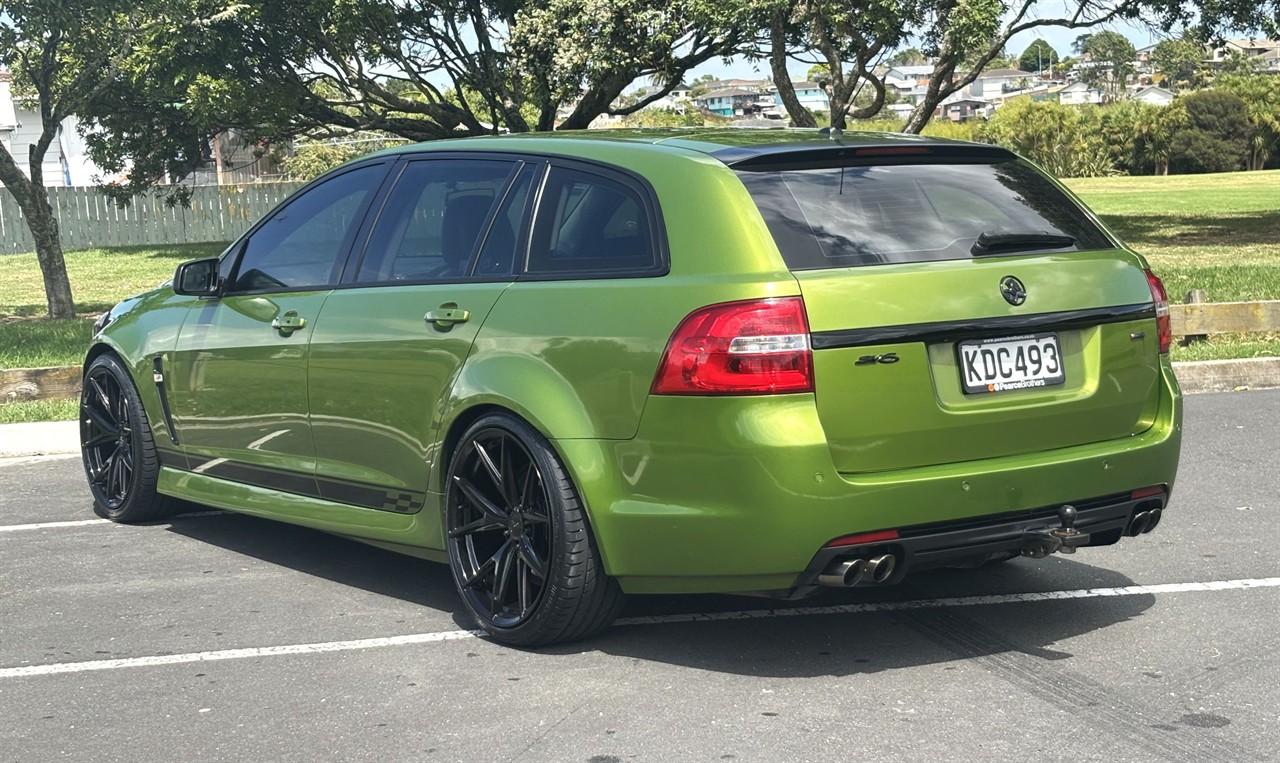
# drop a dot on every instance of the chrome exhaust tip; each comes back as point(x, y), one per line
point(1140, 523)
point(881, 568)
point(843, 574)
point(1153, 519)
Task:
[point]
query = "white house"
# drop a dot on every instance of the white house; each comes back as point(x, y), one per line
point(1154, 95)
point(1265, 54)
point(1078, 92)
point(998, 81)
point(65, 163)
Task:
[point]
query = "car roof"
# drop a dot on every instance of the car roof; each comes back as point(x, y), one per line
point(733, 146)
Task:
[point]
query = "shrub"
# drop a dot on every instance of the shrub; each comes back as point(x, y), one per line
point(1214, 137)
point(1065, 140)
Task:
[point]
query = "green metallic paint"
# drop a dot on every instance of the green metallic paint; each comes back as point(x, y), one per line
point(378, 373)
point(685, 494)
point(238, 387)
point(715, 492)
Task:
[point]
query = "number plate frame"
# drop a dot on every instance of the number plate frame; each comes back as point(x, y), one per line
point(987, 367)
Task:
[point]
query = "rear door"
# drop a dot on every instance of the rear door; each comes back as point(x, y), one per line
point(391, 340)
point(961, 307)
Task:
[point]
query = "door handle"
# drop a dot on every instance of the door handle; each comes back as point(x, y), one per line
point(446, 315)
point(288, 323)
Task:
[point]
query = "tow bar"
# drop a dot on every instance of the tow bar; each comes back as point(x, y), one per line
point(1039, 542)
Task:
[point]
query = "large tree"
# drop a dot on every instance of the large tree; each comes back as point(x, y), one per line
point(966, 36)
point(1039, 56)
point(848, 40)
point(62, 56)
point(1180, 60)
point(418, 69)
point(1110, 64)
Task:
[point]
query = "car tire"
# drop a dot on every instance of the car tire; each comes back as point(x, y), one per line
point(521, 550)
point(117, 448)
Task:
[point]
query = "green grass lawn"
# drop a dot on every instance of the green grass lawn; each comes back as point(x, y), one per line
point(1219, 233)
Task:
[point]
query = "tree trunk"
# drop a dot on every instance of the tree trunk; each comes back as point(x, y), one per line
point(33, 200)
point(800, 116)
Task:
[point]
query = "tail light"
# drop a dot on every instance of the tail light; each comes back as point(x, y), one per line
point(1158, 295)
point(757, 347)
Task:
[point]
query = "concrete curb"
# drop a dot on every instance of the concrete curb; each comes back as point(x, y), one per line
point(1195, 377)
point(1228, 375)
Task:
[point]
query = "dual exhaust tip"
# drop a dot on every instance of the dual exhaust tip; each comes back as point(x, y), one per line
point(847, 573)
point(1144, 522)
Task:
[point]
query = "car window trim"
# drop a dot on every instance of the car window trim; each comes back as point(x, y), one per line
point(348, 241)
point(356, 260)
point(653, 217)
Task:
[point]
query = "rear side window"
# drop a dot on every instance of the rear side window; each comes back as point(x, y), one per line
point(588, 224)
point(868, 215)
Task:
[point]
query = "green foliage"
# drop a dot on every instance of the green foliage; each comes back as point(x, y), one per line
point(1180, 60)
point(907, 57)
point(689, 117)
point(1261, 95)
point(1064, 140)
point(1110, 66)
point(1215, 136)
point(1139, 135)
point(1038, 56)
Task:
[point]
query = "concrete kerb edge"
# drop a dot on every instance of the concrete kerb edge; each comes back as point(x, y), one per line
point(58, 437)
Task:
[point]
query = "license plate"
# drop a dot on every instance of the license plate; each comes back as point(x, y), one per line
point(1010, 363)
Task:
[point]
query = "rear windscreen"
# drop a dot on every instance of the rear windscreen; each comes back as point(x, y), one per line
point(835, 217)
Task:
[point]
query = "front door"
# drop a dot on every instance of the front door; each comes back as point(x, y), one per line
point(237, 378)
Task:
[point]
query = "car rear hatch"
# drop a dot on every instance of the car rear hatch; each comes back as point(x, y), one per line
point(961, 306)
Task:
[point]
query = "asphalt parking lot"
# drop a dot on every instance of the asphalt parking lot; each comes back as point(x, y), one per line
point(220, 637)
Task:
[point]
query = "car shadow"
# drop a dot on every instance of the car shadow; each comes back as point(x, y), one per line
point(925, 620)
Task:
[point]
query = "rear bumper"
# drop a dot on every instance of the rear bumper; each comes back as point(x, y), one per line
point(974, 541)
point(740, 494)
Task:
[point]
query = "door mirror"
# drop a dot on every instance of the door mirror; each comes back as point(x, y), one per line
point(197, 278)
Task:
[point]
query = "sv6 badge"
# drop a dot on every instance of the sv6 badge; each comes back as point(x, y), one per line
point(886, 359)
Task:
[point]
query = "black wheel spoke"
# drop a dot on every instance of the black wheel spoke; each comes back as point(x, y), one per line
point(523, 589)
point(107, 428)
point(102, 396)
point(483, 524)
point(489, 466)
point(99, 439)
point(479, 501)
point(502, 575)
point(508, 484)
point(530, 556)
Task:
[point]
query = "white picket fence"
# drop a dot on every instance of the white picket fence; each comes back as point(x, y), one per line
point(87, 219)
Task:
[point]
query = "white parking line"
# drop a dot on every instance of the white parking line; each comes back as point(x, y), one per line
point(52, 525)
point(83, 522)
point(838, 609)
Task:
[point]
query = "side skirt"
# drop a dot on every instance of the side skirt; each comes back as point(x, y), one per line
point(412, 533)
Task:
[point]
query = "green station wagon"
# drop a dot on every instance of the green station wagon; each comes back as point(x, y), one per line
point(578, 366)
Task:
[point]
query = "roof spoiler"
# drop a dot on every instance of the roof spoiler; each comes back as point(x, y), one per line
point(808, 156)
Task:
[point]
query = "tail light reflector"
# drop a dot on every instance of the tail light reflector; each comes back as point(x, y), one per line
point(1146, 492)
point(1158, 295)
point(756, 347)
point(857, 540)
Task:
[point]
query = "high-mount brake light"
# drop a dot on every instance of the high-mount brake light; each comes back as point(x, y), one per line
point(895, 151)
point(755, 347)
point(1164, 328)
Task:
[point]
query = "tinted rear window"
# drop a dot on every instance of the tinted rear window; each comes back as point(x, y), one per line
point(869, 215)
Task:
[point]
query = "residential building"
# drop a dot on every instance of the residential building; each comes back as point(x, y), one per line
point(1264, 53)
point(1154, 95)
point(65, 162)
point(1079, 92)
point(998, 82)
point(734, 102)
point(810, 95)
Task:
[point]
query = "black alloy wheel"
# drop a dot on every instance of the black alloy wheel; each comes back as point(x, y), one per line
point(521, 552)
point(116, 445)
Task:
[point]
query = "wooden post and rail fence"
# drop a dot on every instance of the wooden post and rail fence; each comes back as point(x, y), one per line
point(1194, 321)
